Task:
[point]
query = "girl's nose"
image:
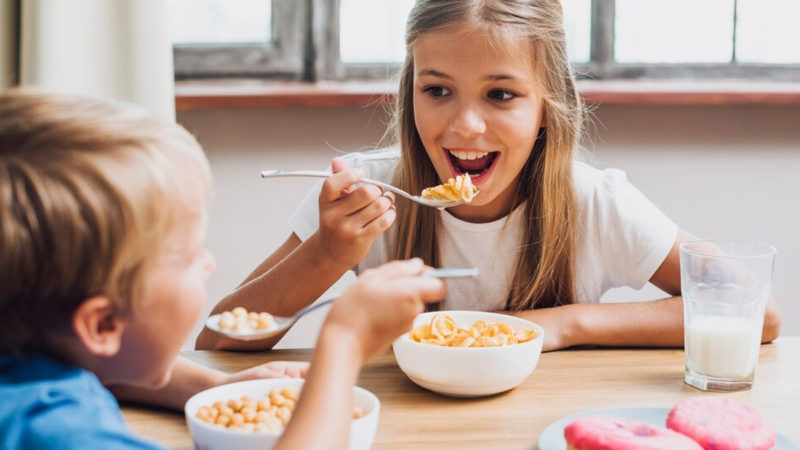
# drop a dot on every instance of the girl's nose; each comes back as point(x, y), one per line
point(468, 121)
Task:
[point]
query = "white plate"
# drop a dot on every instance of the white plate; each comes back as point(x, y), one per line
point(552, 437)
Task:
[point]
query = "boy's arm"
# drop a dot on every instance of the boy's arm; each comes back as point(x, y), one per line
point(326, 406)
point(380, 306)
point(189, 378)
point(287, 281)
point(657, 323)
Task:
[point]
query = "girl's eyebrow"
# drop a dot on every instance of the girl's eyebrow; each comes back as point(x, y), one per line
point(493, 77)
point(433, 73)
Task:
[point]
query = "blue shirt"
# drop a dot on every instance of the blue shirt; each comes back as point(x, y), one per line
point(48, 405)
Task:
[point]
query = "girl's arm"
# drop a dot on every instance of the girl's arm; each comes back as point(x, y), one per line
point(291, 278)
point(350, 219)
point(189, 378)
point(657, 323)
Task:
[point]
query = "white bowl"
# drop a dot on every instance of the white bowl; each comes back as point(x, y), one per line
point(213, 437)
point(469, 372)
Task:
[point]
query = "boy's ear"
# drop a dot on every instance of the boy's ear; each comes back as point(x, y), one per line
point(98, 327)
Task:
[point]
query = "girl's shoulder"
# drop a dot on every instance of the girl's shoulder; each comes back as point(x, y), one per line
point(590, 182)
point(376, 156)
point(378, 164)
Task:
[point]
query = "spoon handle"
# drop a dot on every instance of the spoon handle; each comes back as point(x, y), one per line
point(313, 307)
point(451, 272)
point(326, 174)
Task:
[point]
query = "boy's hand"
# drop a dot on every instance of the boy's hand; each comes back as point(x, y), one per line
point(274, 369)
point(383, 303)
point(350, 217)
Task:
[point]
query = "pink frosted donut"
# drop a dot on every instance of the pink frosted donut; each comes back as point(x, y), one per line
point(720, 423)
point(616, 433)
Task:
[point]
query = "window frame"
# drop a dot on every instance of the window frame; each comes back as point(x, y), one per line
point(601, 65)
point(281, 58)
point(305, 47)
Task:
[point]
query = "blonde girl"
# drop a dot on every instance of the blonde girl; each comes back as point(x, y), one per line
point(486, 88)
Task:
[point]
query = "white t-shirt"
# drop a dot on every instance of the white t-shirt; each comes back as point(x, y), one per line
point(622, 240)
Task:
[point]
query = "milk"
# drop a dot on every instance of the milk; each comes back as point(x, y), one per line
point(722, 347)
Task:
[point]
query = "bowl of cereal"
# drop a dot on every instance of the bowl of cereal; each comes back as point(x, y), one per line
point(252, 414)
point(469, 353)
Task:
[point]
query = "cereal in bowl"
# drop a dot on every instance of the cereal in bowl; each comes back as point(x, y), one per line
point(458, 188)
point(442, 330)
point(268, 414)
point(239, 319)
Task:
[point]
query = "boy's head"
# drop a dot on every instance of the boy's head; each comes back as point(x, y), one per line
point(102, 214)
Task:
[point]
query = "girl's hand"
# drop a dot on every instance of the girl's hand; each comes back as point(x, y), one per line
point(558, 324)
point(383, 303)
point(351, 218)
point(274, 369)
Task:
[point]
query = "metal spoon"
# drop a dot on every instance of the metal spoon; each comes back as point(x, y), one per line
point(439, 204)
point(281, 324)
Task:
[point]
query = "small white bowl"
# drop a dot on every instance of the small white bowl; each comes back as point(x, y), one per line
point(469, 372)
point(214, 437)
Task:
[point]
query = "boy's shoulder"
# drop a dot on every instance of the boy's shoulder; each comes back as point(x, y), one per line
point(50, 405)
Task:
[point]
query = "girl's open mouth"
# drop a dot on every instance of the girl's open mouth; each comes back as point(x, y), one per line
point(476, 163)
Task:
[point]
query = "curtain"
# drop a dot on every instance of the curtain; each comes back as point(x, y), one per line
point(117, 49)
point(8, 43)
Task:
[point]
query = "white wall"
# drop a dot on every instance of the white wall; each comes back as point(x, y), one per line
point(716, 171)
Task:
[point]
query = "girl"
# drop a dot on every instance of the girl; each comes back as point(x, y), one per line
point(486, 88)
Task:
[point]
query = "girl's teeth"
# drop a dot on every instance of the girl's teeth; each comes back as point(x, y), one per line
point(460, 154)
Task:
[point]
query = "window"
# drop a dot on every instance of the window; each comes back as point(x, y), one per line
point(213, 38)
point(607, 39)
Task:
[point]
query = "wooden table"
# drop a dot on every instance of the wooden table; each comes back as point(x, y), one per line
point(563, 383)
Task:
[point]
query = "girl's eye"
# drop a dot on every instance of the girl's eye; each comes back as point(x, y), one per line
point(436, 91)
point(501, 95)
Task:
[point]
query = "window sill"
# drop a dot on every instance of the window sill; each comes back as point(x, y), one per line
point(222, 94)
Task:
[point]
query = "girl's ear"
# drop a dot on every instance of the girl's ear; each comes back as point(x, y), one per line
point(98, 327)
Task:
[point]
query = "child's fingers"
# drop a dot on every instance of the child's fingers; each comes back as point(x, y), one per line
point(338, 165)
point(428, 289)
point(379, 224)
point(397, 269)
point(338, 184)
point(373, 211)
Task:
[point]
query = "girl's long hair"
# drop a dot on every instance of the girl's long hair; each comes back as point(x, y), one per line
point(545, 266)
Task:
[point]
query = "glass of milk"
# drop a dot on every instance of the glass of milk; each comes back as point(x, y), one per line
point(725, 287)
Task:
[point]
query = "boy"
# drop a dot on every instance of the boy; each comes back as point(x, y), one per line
point(102, 222)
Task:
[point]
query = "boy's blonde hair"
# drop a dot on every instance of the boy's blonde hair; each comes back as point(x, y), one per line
point(87, 193)
point(544, 270)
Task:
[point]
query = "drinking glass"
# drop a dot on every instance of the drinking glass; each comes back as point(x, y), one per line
point(725, 286)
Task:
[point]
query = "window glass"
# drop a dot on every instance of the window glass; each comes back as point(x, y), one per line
point(373, 31)
point(578, 27)
point(768, 32)
point(674, 31)
point(219, 21)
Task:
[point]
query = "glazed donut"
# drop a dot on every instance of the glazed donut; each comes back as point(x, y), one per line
point(616, 433)
point(721, 423)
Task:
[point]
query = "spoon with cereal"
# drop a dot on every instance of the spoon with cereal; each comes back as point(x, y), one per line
point(453, 193)
point(250, 326)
